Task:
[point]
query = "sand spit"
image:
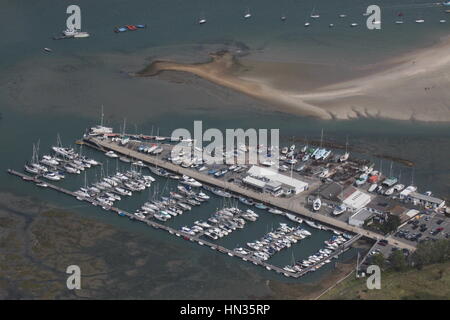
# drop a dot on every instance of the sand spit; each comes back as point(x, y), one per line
point(224, 70)
point(412, 87)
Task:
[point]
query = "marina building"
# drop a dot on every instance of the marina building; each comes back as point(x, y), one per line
point(360, 217)
point(426, 201)
point(255, 183)
point(355, 199)
point(332, 192)
point(275, 181)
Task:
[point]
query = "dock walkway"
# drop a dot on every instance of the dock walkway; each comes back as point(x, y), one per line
point(282, 203)
point(189, 237)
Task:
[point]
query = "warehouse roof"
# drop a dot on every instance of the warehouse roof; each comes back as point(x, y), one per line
point(272, 175)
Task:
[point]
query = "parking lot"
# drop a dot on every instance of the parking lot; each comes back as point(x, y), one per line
point(423, 227)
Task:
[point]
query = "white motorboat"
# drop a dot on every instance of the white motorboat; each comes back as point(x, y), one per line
point(52, 176)
point(339, 210)
point(344, 157)
point(74, 33)
point(372, 187)
point(31, 169)
point(247, 14)
point(317, 204)
point(389, 191)
point(294, 218)
point(111, 154)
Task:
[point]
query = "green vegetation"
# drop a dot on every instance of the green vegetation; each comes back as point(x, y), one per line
point(431, 252)
point(425, 274)
point(398, 261)
point(379, 260)
point(390, 225)
point(431, 282)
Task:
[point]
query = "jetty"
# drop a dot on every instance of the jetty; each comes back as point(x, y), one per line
point(342, 248)
point(105, 145)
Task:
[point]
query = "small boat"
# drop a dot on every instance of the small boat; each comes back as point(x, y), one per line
point(339, 210)
point(342, 15)
point(331, 25)
point(260, 206)
point(317, 203)
point(246, 201)
point(400, 20)
point(307, 24)
point(202, 20)
point(420, 20)
point(294, 218)
point(283, 18)
point(314, 15)
point(120, 29)
point(111, 154)
point(275, 211)
point(442, 21)
point(389, 191)
point(131, 27)
point(72, 33)
point(313, 224)
point(354, 24)
point(48, 50)
point(42, 184)
point(247, 14)
point(344, 157)
point(124, 159)
point(372, 187)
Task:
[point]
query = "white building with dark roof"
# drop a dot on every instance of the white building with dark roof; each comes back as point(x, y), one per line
point(355, 199)
point(273, 177)
point(426, 201)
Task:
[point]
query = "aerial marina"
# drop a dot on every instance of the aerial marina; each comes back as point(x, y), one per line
point(240, 187)
point(265, 150)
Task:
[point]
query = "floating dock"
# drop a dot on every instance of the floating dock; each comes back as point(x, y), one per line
point(105, 145)
point(195, 238)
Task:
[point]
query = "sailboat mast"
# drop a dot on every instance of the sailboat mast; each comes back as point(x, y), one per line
point(101, 118)
point(321, 139)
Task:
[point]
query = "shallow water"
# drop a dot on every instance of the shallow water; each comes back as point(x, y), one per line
point(45, 94)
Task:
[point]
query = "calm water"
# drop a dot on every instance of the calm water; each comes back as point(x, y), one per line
point(45, 94)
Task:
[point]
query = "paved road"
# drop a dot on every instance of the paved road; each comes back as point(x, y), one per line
point(283, 203)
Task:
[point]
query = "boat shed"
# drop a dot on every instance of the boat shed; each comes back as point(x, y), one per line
point(273, 176)
point(360, 217)
point(355, 199)
point(273, 186)
point(331, 191)
point(427, 201)
point(256, 183)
